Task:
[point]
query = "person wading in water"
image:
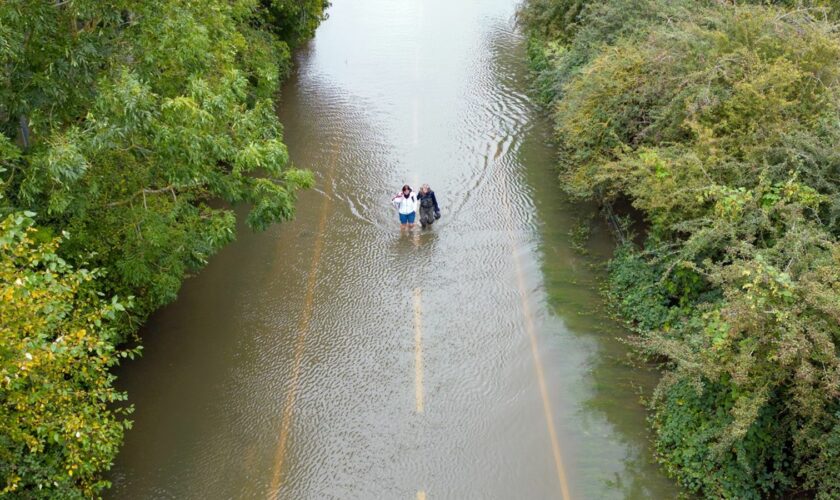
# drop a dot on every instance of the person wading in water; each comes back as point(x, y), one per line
point(429, 210)
point(406, 204)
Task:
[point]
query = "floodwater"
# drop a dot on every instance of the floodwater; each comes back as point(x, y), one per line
point(334, 357)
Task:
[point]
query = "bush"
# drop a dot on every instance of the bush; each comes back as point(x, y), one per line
point(59, 429)
point(719, 122)
point(753, 467)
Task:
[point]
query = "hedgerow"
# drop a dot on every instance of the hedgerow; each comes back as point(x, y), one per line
point(720, 123)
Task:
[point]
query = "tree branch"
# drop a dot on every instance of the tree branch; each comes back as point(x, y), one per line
point(143, 192)
point(24, 130)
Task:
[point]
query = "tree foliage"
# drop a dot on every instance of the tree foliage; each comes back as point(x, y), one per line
point(58, 426)
point(131, 127)
point(133, 120)
point(293, 20)
point(720, 123)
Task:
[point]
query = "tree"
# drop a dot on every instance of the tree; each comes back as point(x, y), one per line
point(59, 426)
point(131, 128)
point(135, 123)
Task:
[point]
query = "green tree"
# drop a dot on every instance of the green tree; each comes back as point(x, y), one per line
point(59, 428)
point(132, 128)
point(293, 20)
point(135, 122)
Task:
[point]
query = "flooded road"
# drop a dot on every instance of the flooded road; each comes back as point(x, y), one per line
point(333, 357)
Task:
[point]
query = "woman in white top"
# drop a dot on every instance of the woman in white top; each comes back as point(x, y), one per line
point(406, 204)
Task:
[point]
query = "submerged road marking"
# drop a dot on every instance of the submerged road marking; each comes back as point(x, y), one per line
point(549, 416)
point(300, 344)
point(532, 336)
point(418, 354)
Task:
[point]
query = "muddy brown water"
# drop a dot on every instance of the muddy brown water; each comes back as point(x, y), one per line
point(334, 357)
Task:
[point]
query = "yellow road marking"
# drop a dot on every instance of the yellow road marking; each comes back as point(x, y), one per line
point(549, 416)
point(529, 327)
point(421, 495)
point(418, 354)
point(300, 344)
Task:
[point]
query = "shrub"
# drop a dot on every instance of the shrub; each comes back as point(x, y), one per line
point(59, 427)
point(719, 122)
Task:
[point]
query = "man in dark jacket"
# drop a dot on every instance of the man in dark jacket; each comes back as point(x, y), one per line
point(429, 210)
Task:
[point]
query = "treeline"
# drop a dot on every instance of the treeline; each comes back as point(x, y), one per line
point(128, 130)
point(718, 121)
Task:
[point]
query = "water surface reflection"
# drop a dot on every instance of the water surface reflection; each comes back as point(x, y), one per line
point(323, 310)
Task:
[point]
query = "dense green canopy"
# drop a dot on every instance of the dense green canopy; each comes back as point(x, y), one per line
point(130, 128)
point(720, 124)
